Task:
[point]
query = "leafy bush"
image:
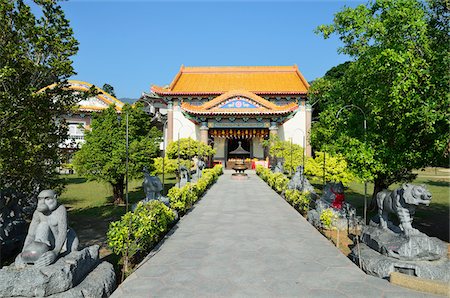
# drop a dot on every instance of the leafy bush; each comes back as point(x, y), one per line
point(263, 172)
point(188, 149)
point(170, 165)
point(279, 182)
point(183, 199)
point(292, 154)
point(138, 231)
point(327, 218)
point(336, 168)
point(298, 200)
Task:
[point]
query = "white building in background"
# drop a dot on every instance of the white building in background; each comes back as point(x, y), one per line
point(80, 119)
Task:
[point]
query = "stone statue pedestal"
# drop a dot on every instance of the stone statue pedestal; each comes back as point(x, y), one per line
point(418, 247)
point(78, 274)
point(384, 251)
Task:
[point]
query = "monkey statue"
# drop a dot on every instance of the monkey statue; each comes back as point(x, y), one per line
point(48, 235)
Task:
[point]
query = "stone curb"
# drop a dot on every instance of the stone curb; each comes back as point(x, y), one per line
point(420, 284)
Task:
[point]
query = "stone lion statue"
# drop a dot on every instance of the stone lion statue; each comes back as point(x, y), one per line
point(402, 202)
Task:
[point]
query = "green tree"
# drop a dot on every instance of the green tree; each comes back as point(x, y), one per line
point(34, 53)
point(109, 89)
point(398, 83)
point(188, 149)
point(103, 156)
point(292, 154)
point(336, 168)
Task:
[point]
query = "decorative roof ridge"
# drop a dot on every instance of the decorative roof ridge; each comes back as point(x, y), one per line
point(233, 93)
point(177, 77)
point(85, 86)
point(222, 69)
point(164, 91)
point(302, 78)
point(267, 106)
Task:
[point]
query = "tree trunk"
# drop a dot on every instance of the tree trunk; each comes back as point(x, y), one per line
point(379, 184)
point(118, 191)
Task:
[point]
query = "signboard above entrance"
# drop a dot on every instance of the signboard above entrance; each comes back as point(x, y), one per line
point(239, 125)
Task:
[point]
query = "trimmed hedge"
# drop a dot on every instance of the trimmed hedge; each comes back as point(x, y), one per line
point(138, 231)
point(182, 199)
point(279, 183)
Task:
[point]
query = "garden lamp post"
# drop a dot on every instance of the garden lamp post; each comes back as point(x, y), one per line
point(290, 169)
point(178, 153)
point(163, 153)
point(119, 118)
point(304, 148)
point(126, 164)
point(365, 144)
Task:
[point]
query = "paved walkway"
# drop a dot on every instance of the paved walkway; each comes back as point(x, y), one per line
point(243, 240)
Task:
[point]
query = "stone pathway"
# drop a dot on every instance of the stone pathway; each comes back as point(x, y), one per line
point(243, 240)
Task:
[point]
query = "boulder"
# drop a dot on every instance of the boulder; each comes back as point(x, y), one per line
point(66, 273)
point(396, 245)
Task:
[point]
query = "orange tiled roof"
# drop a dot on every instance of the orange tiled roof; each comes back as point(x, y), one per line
point(214, 106)
point(220, 79)
point(84, 87)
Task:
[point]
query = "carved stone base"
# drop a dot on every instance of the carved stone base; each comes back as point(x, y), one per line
point(395, 245)
point(79, 269)
point(379, 265)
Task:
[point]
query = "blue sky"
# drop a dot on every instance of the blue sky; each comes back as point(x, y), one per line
point(134, 44)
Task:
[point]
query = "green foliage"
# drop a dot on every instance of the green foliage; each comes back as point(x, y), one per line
point(35, 51)
point(399, 78)
point(170, 165)
point(138, 231)
point(336, 168)
point(188, 149)
point(109, 89)
point(292, 154)
point(279, 183)
point(298, 200)
point(182, 199)
point(327, 217)
point(103, 156)
point(263, 172)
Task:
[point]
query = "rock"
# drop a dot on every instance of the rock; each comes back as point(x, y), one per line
point(416, 247)
point(101, 282)
point(382, 266)
point(66, 273)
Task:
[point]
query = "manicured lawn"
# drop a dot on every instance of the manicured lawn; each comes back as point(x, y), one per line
point(90, 209)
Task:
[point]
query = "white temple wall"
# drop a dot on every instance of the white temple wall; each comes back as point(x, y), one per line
point(295, 128)
point(219, 145)
point(258, 149)
point(185, 127)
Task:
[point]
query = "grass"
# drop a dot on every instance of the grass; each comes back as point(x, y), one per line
point(90, 207)
point(91, 198)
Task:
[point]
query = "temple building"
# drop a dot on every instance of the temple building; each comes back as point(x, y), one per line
point(232, 107)
point(80, 118)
